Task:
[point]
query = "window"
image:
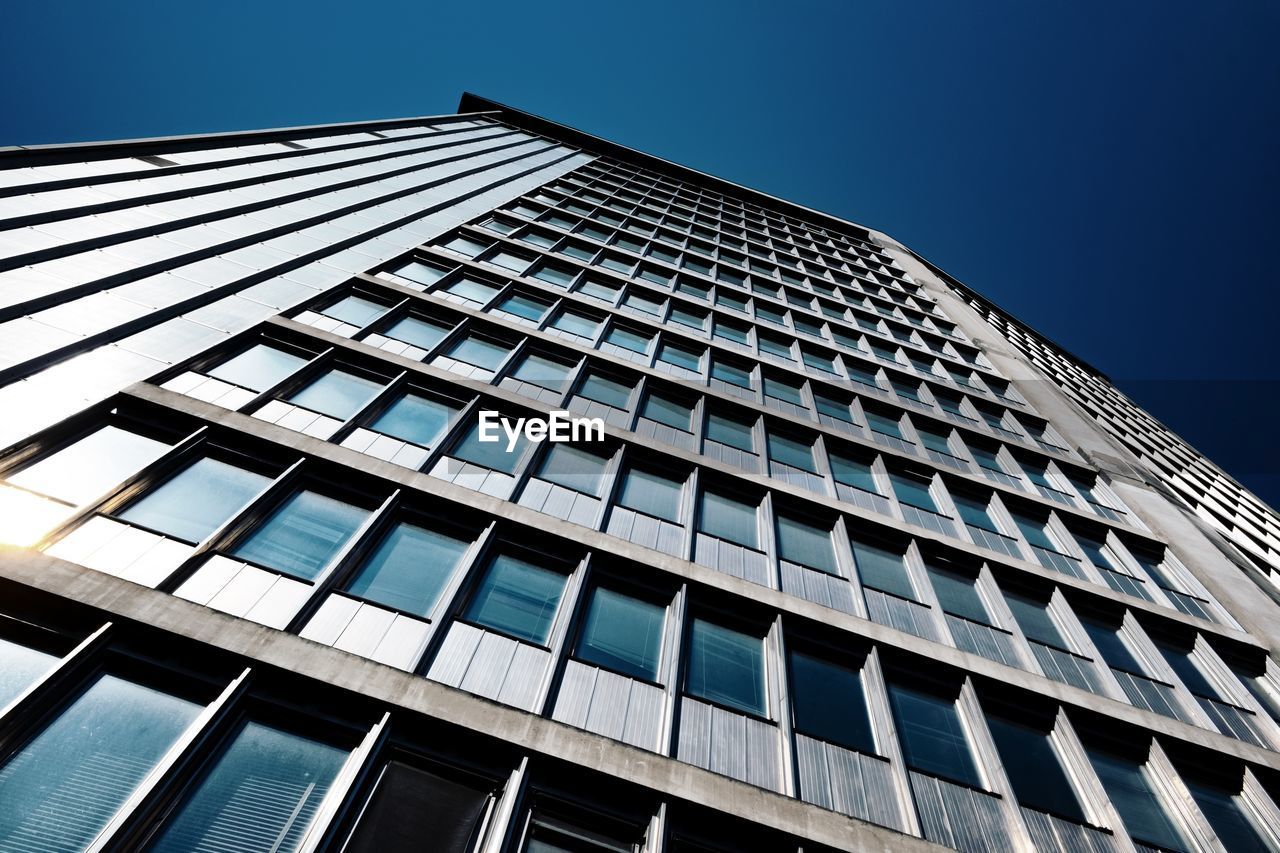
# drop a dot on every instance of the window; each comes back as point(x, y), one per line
point(779, 347)
point(853, 472)
point(491, 454)
point(986, 458)
point(82, 471)
point(421, 273)
point(958, 594)
point(731, 332)
point(730, 432)
point(303, 535)
point(20, 666)
point(355, 310)
point(637, 342)
point(680, 356)
point(806, 545)
point(1139, 807)
point(685, 317)
point(1032, 616)
point(785, 391)
point(576, 324)
point(417, 418)
point(262, 793)
point(525, 306)
point(1180, 661)
point(730, 519)
point(731, 374)
point(603, 290)
point(974, 512)
point(932, 737)
point(470, 290)
point(913, 490)
point(832, 408)
point(937, 442)
point(258, 368)
point(602, 389)
point(479, 351)
point(622, 633)
point(1035, 531)
point(555, 274)
point(544, 372)
point(517, 598)
point(409, 569)
point(514, 261)
point(1111, 646)
point(882, 569)
point(576, 468)
point(1034, 769)
point(424, 334)
point(1229, 820)
point(726, 667)
point(789, 451)
point(829, 703)
point(652, 493)
point(337, 393)
point(62, 788)
point(884, 425)
point(197, 500)
point(664, 410)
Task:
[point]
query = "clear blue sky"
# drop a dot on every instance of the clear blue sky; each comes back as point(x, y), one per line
point(1109, 172)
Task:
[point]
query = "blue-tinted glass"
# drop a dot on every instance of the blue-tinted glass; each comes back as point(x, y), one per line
point(517, 598)
point(664, 410)
point(1033, 768)
point(197, 500)
point(525, 306)
point(1179, 660)
point(543, 372)
point(829, 703)
point(1111, 646)
point(854, 472)
point(729, 519)
point(730, 332)
point(409, 568)
point(355, 310)
point(417, 419)
point(934, 441)
point(974, 512)
point(730, 432)
point(957, 594)
point(60, 790)
point(1033, 618)
point(832, 408)
point(576, 324)
point(1222, 810)
point(421, 273)
point(491, 454)
point(303, 535)
point(623, 633)
point(260, 796)
point(731, 374)
point(1094, 550)
point(881, 424)
point(726, 667)
point(806, 545)
point(788, 451)
point(258, 368)
point(423, 334)
point(783, 391)
point(20, 666)
point(602, 389)
point(555, 275)
point(82, 471)
point(627, 339)
point(882, 569)
point(912, 490)
point(1034, 531)
point(680, 356)
point(931, 735)
point(774, 346)
point(476, 291)
point(338, 394)
point(575, 468)
point(1143, 815)
point(986, 458)
point(651, 493)
point(482, 352)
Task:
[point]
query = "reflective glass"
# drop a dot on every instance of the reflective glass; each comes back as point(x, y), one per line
point(20, 666)
point(726, 667)
point(664, 410)
point(854, 472)
point(829, 703)
point(260, 796)
point(1033, 618)
point(470, 289)
point(491, 454)
point(85, 470)
point(258, 368)
point(417, 419)
point(197, 500)
point(623, 633)
point(788, 451)
point(802, 543)
point(913, 490)
point(730, 432)
point(602, 389)
point(424, 334)
point(1131, 793)
point(932, 737)
point(575, 468)
point(1111, 646)
point(882, 569)
point(1225, 814)
point(303, 535)
point(355, 310)
point(409, 569)
point(652, 493)
point(629, 340)
point(730, 519)
point(1034, 770)
point(338, 394)
point(543, 372)
point(482, 352)
point(576, 324)
point(783, 391)
point(517, 598)
point(60, 789)
point(957, 594)
point(525, 306)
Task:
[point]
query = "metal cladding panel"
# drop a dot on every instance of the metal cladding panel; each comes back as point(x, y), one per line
point(453, 658)
point(489, 666)
point(1152, 695)
point(847, 782)
point(991, 643)
point(730, 744)
point(734, 456)
point(1050, 833)
point(798, 477)
point(864, 500)
point(909, 616)
point(1068, 668)
point(959, 817)
point(1236, 722)
point(663, 433)
point(818, 587)
point(732, 559)
point(647, 531)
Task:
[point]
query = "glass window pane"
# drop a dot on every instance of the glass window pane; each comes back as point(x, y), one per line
point(883, 425)
point(806, 545)
point(422, 273)
point(788, 451)
point(730, 432)
point(61, 789)
point(491, 454)
point(576, 324)
point(196, 501)
point(258, 368)
point(1143, 815)
point(424, 334)
point(854, 472)
point(1033, 618)
point(652, 493)
point(958, 594)
point(829, 703)
point(680, 356)
point(602, 389)
point(623, 633)
point(84, 470)
point(409, 569)
point(261, 794)
point(20, 666)
point(543, 372)
point(517, 598)
point(726, 667)
point(664, 410)
point(932, 738)
point(417, 419)
point(470, 289)
point(1112, 648)
point(882, 569)
point(575, 468)
point(783, 391)
point(1032, 764)
point(1223, 811)
point(525, 306)
point(338, 394)
point(729, 519)
point(355, 310)
point(482, 352)
point(629, 340)
point(303, 535)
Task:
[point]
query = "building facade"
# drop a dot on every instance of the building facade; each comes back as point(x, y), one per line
point(859, 562)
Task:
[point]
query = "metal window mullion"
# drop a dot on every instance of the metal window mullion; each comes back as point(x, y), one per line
point(453, 594)
point(990, 766)
point(673, 669)
point(1097, 805)
point(68, 669)
point(502, 828)
point(323, 823)
point(1179, 803)
point(884, 729)
point(776, 679)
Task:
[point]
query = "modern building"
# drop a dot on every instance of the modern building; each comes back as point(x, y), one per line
point(859, 562)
